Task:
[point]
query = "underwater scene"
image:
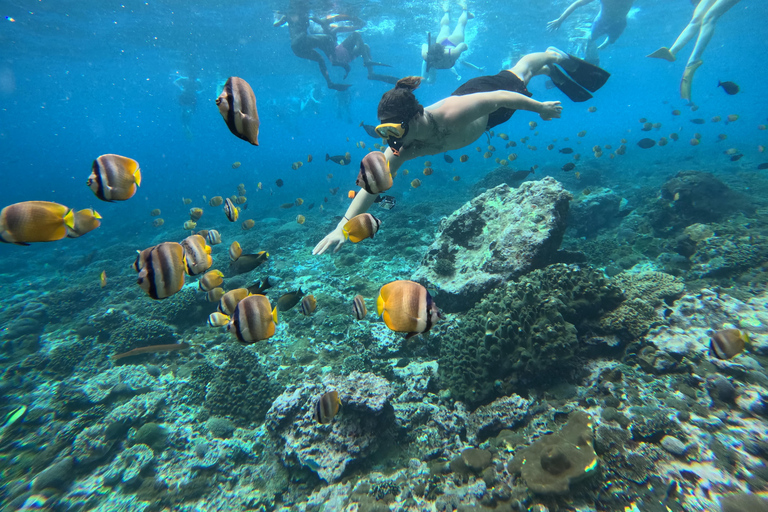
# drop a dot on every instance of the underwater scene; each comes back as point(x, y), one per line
point(319, 256)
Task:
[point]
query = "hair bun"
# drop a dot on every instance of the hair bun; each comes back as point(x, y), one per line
point(410, 82)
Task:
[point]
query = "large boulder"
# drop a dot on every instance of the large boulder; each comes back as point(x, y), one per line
point(497, 236)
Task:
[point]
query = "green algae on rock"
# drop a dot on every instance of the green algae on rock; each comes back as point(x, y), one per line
point(555, 461)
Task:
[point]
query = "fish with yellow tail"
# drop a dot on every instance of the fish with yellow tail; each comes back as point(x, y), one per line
point(235, 251)
point(308, 305)
point(406, 306)
point(374, 176)
point(253, 320)
point(114, 177)
point(197, 255)
point(230, 210)
point(35, 221)
point(358, 307)
point(326, 407)
point(231, 299)
point(85, 221)
point(213, 237)
point(247, 262)
point(237, 105)
point(289, 300)
point(360, 227)
point(161, 270)
point(217, 319)
point(214, 295)
point(211, 280)
point(728, 343)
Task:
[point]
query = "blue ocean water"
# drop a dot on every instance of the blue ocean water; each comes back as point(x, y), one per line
point(80, 79)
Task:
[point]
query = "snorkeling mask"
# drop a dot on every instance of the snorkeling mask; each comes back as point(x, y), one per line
point(393, 133)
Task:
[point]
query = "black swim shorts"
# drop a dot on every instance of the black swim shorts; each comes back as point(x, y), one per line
point(503, 81)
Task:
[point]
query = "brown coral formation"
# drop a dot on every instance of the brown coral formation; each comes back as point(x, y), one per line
point(554, 462)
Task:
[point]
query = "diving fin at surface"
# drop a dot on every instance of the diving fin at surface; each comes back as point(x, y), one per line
point(587, 75)
point(571, 89)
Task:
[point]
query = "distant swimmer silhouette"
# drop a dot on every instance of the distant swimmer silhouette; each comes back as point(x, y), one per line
point(445, 52)
point(352, 47)
point(610, 21)
point(702, 25)
point(412, 131)
point(305, 44)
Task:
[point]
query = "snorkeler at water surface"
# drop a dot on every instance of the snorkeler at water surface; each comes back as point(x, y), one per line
point(412, 131)
point(610, 21)
point(444, 53)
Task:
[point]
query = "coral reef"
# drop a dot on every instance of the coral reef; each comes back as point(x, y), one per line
point(354, 434)
point(646, 292)
point(596, 212)
point(242, 389)
point(554, 462)
point(498, 235)
point(524, 331)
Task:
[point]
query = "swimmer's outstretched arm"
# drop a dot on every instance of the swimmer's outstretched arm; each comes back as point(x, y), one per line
point(462, 110)
point(555, 24)
point(360, 204)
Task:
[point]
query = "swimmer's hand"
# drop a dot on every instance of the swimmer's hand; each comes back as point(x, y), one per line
point(550, 109)
point(335, 237)
point(552, 26)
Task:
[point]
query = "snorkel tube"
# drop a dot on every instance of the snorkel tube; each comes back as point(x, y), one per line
point(429, 46)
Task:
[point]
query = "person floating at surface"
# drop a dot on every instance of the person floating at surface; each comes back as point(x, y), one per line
point(190, 87)
point(413, 131)
point(702, 25)
point(610, 21)
point(352, 47)
point(448, 47)
point(305, 44)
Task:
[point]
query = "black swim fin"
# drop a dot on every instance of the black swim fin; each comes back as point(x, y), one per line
point(571, 89)
point(585, 74)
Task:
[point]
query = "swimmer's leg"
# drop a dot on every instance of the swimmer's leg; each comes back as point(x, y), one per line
point(457, 36)
point(708, 27)
point(445, 29)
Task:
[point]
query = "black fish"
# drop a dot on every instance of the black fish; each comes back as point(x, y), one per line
point(698, 120)
point(569, 166)
point(448, 158)
point(646, 143)
point(310, 206)
point(336, 159)
point(279, 183)
point(386, 202)
point(247, 262)
point(520, 175)
point(735, 158)
point(729, 87)
point(566, 151)
point(763, 166)
point(288, 300)
point(259, 287)
point(370, 130)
